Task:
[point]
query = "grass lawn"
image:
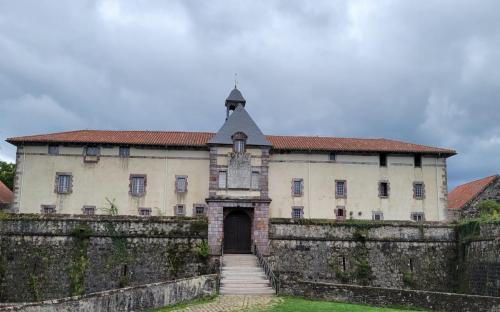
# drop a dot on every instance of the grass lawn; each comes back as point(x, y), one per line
point(299, 305)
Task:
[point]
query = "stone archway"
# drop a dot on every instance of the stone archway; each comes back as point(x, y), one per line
point(237, 232)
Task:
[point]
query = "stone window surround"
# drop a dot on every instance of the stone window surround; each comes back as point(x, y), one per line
point(177, 178)
point(344, 213)
point(297, 208)
point(239, 138)
point(388, 189)
point(295, 180)
point(86, 207)
point(416, 215)
point(254, 173)
point(337, 195)
point(144, 211)
point(56, 184)
point(91, 158)
point(130, 191)
point(176, 210)
point(196, 214)
point(51, 207)
point(415, 190)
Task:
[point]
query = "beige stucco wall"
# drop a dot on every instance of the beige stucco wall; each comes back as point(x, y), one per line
point(362, 174)
point(109, 178)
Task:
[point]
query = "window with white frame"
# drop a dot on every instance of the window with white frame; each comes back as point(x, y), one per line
point(340, 189)
point(137, 184)
point(48, 209)
point(377, 216)
point(255, 180)
point(180, 210)
point(63, 183)
point(223, 179)
point(297, 187)
point(88, 210)
point(181, 184)
point(297, 212)
point(418, 190)
point(417, 216)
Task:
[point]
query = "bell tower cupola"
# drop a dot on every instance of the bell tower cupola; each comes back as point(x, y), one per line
point(234, 100)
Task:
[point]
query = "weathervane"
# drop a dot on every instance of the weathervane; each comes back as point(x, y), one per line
point(235, 80)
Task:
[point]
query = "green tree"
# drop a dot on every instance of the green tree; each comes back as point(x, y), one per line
point(489, 209)
point(7, 173)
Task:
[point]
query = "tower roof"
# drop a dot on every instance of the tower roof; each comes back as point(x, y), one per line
point(235, 98)
point(240, 121)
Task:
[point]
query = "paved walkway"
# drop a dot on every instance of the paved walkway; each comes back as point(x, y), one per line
point(235, 303)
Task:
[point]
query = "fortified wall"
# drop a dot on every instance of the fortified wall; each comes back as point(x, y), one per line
point(54, 256)
point(47, 257)
point(404, 255)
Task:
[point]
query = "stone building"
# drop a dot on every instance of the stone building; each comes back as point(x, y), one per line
point(463, 199)
point(238, 177)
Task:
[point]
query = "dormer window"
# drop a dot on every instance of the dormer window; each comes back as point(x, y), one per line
point(239, 142)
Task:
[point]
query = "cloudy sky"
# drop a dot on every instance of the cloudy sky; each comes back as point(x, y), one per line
point(421, 71)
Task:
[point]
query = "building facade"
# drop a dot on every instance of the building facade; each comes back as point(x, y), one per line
point(237, 177)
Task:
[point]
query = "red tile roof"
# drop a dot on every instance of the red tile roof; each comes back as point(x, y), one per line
point(200, 139)
point(463, 194)
point(6, 194)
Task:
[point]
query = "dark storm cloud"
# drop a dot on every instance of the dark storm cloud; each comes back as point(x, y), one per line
point(420, 71)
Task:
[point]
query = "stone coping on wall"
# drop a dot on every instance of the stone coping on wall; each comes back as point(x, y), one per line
point(331, 230)
point(103, 225)
point(436, 301)
point(136, 298)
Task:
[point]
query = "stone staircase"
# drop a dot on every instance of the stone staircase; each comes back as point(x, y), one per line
point(242, 275)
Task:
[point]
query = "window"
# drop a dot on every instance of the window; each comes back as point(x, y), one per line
point(88, 210)
point(124, 151)
point(340, 189)
point(417, 216)
point(343, 263)
point(383, 160)
point(144, 211)
point(418, 190)
point(417, 160)
point(255, 180)
point(92, 151)
point(239, 140)
point(137, 184)
point(297, 187)
point(222, 179)
point(340, 213)
point(53, 150)
point(199, 210)
point(63, 183)
point(377, 216)
point(179, 210)
point(181, 184)
point(333, 157)
point(239, 146)
point(297, 212)
point(383, 189)
point(411, 265)
point(48, 209)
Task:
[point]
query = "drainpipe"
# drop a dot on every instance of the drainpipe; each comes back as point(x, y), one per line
point(165, 199)
point(309, 184)
point(437, 190)
point(22, 180)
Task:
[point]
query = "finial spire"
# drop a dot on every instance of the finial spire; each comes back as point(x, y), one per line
point(236, 80)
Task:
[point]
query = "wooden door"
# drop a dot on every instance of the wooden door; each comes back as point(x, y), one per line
point(237, 233)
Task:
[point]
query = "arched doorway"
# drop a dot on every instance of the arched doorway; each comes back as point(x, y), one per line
point(237, 232)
